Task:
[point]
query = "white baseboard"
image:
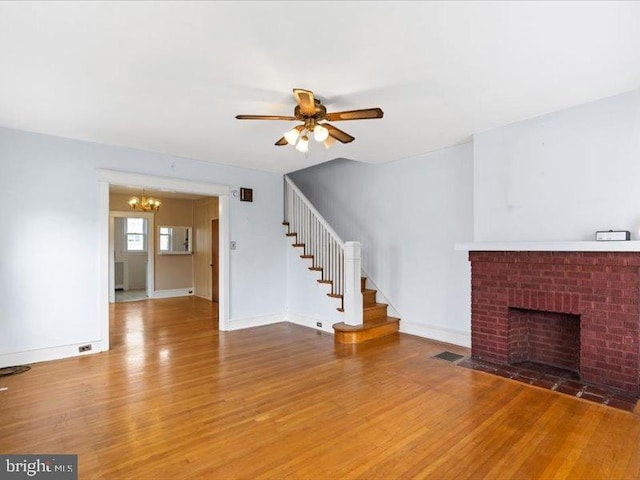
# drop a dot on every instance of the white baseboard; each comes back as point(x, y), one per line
point(305, 321)
point(176, 292)
point(248, 322)
point(447, 335)
point(311, 322)
point(47, 354)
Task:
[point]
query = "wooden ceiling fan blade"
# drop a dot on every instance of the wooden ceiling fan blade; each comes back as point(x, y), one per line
point(265, 117)
point(305, 100)
point(338, 134)
point(362, 114)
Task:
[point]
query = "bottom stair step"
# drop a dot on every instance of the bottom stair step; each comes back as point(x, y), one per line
point(349, 334)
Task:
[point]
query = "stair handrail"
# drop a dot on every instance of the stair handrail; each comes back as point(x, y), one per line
point(339, 261)
point(310, 206)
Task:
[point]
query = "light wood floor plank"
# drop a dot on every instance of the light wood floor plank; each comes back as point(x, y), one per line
point(177, 399)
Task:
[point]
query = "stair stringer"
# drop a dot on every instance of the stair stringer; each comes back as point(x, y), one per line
point(307, 301)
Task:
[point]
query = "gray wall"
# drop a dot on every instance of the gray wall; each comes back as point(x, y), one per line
point(408, 215)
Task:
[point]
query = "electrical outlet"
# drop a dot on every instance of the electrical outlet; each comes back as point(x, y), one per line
point(319, 324)
point(84, 348)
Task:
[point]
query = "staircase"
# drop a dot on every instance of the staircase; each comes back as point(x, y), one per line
point(338, 263)
point(376, 322)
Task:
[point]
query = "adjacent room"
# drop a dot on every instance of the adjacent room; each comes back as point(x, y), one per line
point(320, 240)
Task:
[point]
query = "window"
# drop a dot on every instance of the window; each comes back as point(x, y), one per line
point(174, 240)
point(165, 239)
point(135, 235)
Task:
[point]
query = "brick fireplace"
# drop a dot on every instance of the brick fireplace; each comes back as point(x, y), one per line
point(574, 310)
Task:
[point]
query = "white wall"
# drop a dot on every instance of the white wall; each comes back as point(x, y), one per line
point(408, 215)
point(49, 209)
point(307, 300)
point(562, 176)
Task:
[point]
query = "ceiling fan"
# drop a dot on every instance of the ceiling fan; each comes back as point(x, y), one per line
point(312, 112)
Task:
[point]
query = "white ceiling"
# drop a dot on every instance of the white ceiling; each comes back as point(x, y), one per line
point(170, 76)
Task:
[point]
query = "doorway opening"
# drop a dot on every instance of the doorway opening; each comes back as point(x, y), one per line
point(131, 256)
point(218, 265)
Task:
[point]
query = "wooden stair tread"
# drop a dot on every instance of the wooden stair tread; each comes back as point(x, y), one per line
point(325, 281)
point(349, 334)
point(375, 306)
point(334, 295)
point(298, 244)
point(316, 269)
point(373, 313)
point(343, 327)
point(306, 256)
point(285, 223)
point(293, 234)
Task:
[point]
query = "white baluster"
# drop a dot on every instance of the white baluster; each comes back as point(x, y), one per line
point(340, 262)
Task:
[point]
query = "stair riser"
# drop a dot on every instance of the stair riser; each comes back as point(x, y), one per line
point(373, 314)
point(364, 335)
point(369, 298)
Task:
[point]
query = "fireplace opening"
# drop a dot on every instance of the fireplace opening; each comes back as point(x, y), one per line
point(546, 338)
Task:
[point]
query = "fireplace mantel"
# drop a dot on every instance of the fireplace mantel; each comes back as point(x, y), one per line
point(578, 246)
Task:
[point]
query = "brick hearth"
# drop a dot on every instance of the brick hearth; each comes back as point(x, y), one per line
point(595, 295)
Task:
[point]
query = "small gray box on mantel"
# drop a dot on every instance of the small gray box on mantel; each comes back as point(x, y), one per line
point(613, 235)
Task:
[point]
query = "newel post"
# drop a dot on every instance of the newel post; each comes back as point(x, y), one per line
point(352, 291)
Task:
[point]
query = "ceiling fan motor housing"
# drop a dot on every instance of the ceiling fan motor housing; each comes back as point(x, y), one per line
point(320, 113)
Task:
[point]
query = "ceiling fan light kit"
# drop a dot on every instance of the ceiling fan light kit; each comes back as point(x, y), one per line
point(303, 144)
point(311, 111)
point(292, 136)
point(320, 133)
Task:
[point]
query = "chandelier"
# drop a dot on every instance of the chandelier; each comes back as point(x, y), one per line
point(144, 204)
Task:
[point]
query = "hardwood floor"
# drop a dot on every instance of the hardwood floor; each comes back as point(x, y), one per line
point(176, 399)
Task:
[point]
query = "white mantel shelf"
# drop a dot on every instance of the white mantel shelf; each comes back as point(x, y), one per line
point(584, 246)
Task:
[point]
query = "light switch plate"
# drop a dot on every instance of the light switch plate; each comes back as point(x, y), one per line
point(233, 245)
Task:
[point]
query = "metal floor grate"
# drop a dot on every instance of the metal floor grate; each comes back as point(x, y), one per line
point(449, 356)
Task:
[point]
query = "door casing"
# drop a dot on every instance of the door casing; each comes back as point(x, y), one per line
point(113, 177)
